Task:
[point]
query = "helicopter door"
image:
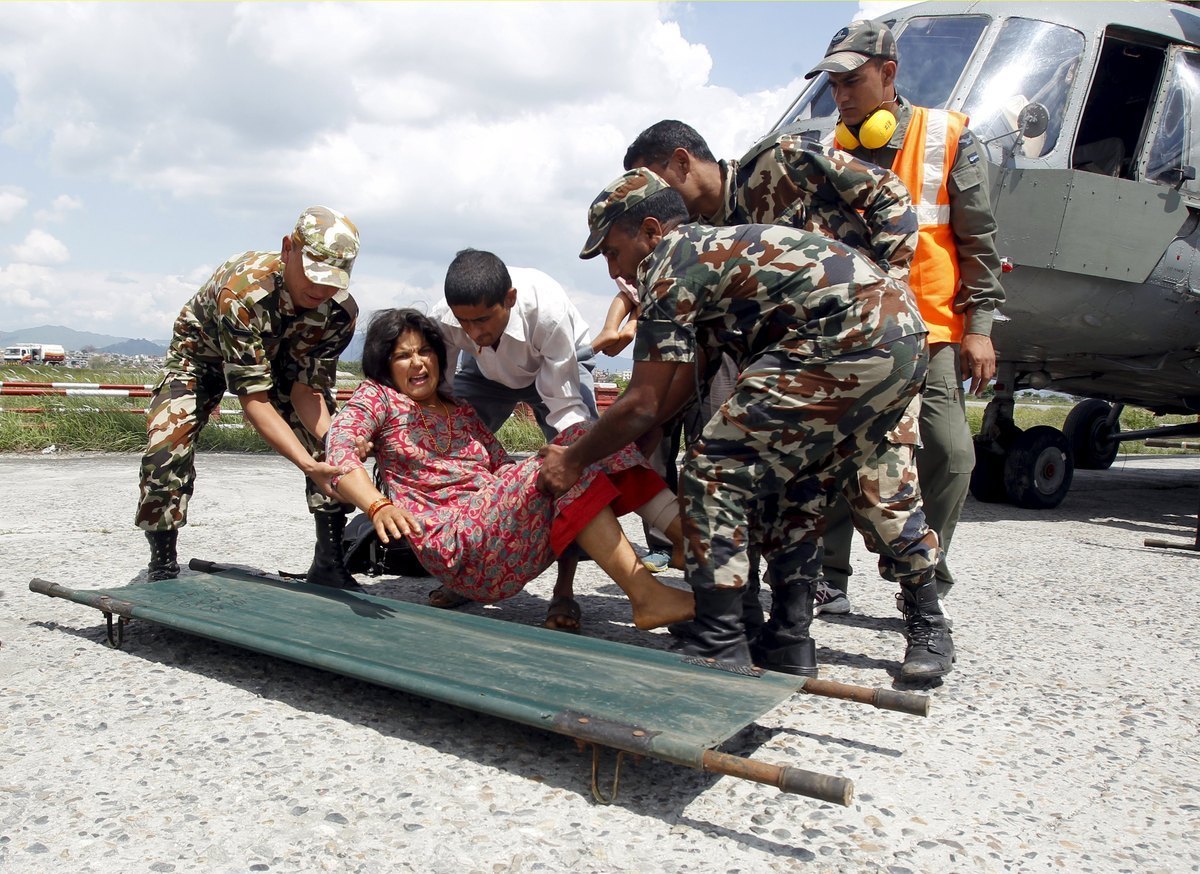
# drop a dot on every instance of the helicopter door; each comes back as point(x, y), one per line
point(1173, 155)
point(1129, 73)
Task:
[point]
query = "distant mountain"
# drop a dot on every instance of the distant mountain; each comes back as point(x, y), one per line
point(135, 347)
point(73, 340)
point(613, 365)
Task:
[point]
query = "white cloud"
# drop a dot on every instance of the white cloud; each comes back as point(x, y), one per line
point(12, 201)
point(58, 209)
point(39, 247)
point(435, 126)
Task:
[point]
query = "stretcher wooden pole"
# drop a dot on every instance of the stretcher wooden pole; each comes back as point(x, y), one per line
point(823, 787)
point(884, 699)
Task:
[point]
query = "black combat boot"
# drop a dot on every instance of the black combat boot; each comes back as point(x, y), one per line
point(329, 559)
point(785, 644)
point(164, 565)
point(930, 651)
point(717, 631)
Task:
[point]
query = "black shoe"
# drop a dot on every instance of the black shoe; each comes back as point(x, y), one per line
point(785, 644)
point(164, 565)
point(716, 633)
point(930, 651)
point(328, 567)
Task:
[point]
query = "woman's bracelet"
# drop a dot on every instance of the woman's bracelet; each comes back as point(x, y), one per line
point(377, 506)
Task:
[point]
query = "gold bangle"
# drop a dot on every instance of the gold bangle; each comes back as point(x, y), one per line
point(377, 506)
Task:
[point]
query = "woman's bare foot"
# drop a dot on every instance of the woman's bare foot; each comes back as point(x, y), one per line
point(660, 605)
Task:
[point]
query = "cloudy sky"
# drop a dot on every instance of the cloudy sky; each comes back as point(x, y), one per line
point(142, 144)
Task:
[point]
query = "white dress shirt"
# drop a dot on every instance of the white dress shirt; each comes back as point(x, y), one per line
point(537, 347)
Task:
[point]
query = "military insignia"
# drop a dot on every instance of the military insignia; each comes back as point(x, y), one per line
point(839, 36)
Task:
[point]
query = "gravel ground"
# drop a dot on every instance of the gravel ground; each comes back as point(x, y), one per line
point(1065, 740)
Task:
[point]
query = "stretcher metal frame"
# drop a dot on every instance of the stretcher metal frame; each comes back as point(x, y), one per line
point(635, 700)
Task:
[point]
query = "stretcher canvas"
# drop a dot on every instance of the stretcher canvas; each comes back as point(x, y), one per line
point(625, 697)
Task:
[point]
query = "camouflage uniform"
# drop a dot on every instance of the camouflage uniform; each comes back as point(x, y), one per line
point(789, 180)
point(946, 455)
point(830, 351)
point(240, 332)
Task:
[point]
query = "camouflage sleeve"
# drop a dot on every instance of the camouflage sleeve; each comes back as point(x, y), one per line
point(317, 347)
point(665, 329)
point(240, 326)
point(839, 180)
point(980, 292)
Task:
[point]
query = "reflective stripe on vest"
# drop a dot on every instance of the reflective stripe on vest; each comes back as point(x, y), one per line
point(923, 164)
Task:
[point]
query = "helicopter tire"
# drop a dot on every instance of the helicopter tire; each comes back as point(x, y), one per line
point(987, 476)
point(1038, 469)
point(1093, 446)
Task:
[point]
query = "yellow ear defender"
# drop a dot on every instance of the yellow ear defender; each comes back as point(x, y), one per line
point(874, 132)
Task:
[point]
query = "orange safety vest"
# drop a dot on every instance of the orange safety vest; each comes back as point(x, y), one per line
point(923, 165)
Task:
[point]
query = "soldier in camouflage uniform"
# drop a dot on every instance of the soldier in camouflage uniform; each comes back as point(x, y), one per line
point(830, 351)
point(268, 327)
point(789, 180)
point(955, 273)
point(786, 180)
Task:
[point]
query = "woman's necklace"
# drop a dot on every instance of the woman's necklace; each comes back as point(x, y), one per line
point(441, 450)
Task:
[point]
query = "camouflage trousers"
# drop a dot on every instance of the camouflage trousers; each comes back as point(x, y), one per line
point(793, 434)
point(179, 409)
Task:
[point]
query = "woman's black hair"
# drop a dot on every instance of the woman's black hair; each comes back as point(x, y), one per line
point(383, 332)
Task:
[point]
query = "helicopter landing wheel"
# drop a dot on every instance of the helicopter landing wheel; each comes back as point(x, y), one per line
point(1091, 439)
point(1039, 469)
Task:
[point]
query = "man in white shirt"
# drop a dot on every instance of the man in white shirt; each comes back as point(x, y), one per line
point(523, 338)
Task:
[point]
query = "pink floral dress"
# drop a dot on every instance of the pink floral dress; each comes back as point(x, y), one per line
point(485, 527)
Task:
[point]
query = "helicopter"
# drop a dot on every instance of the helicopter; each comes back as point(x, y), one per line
point(1089, 115)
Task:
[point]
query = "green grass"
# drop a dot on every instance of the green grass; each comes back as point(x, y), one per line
point(102, 425)
point(1029, 414)
point(48, 373)
point(520, 434)
point(99, 423)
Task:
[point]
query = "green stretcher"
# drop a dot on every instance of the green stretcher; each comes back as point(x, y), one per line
point(627, 698)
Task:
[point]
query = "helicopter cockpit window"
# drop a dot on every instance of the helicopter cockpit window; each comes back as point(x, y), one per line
point(1030, 62)
point(933, 54)
point(1175, 145)
point(934, 51)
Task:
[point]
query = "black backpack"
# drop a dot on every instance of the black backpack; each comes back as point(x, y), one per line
point(365, 554)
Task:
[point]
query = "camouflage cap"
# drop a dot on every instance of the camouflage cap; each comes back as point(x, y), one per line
point(854, 45)
point(623, 193)
point(329, 245)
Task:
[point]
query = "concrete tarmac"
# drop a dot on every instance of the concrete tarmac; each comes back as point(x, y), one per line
point(1065, 739)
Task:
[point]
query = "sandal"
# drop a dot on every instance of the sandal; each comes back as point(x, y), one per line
point(446, 599)
point(563, 615)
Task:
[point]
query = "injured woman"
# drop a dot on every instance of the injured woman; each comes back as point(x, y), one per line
point(476, 520)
